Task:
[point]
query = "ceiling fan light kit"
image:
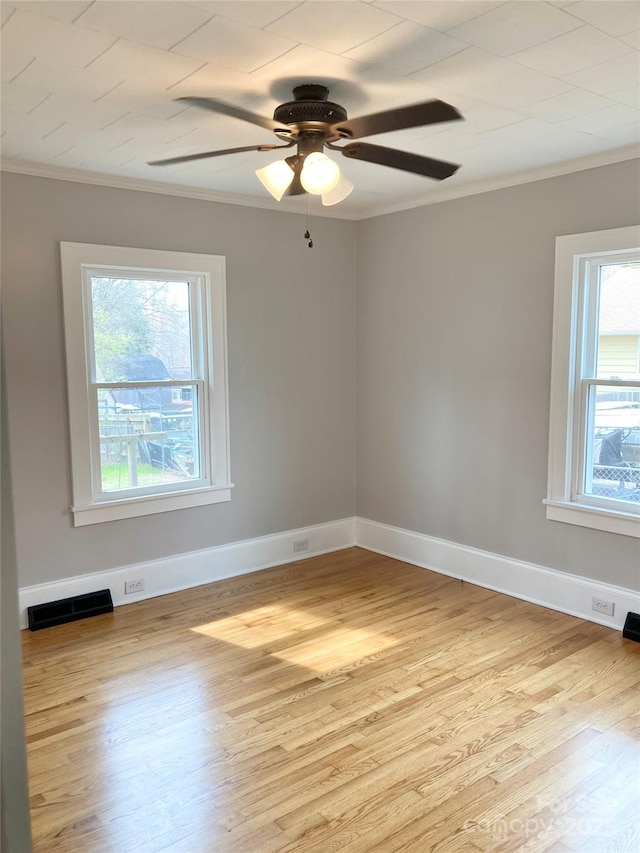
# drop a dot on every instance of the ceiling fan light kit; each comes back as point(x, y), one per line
point(342, 189)
point(312, 123)
point(319, 174)
point(276, 178)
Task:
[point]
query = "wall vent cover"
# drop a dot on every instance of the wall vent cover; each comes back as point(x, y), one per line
point(69, 609)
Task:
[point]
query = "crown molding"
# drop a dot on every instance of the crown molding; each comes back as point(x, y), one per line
point(60, 173)
point(442, 193)
point(499, 182)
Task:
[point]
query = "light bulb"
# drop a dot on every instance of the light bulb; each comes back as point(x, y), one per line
point(276, 177)
point(319, 173)
point(342, 189)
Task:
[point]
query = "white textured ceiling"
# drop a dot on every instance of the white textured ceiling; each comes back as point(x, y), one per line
point(89, 88)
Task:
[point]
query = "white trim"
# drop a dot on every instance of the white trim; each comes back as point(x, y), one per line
point(113, 510)
point(206, 277)
point(571, 358)
point(446, 192)
point(99, 179)
point(597, 518)
point(567, 593)
point(540, 585)
point(183, 571)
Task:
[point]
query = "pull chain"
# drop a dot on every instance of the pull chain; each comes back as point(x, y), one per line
point(307, 233)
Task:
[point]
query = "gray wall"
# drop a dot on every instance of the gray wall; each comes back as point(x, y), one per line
point(455, 305)
point(291, 322)
point(453, 339)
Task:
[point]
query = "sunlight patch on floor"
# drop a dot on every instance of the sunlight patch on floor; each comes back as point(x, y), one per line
point(298, 637)
point(262, 626)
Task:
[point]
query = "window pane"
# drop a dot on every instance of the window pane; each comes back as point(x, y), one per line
point(148, 436)
point(619, 322)
point(614, 441)
point(141, 329)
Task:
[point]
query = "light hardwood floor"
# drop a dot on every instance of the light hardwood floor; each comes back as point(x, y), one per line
point(348, 702)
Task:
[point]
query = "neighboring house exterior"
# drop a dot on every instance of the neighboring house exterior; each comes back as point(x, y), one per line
point(619, 340)
point(619, 355)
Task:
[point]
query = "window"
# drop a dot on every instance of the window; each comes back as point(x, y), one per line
point(594, 447)
point(145, 336)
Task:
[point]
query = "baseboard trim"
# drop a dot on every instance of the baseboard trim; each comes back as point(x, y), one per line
point(567, 593)
point(183, 571)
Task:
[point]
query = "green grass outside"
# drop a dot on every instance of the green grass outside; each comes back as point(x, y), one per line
point(115, 475)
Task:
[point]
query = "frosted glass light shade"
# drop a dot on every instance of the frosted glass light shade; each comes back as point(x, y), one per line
point(319, 174)
point(276, 177)
point(342, 189)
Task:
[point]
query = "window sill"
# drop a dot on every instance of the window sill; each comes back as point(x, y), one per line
point(149, 505)
point(612, 521)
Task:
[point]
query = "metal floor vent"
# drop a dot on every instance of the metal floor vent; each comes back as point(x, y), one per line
point(69, 609)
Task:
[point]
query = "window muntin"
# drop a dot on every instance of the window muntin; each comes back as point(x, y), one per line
point(146, 361)
point(594, 465)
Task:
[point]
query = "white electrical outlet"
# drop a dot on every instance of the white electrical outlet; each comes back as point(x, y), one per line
point(601, 606)
point(134, 586)
point(300, 545)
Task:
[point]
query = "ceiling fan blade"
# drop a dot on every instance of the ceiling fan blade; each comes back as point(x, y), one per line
point(235, 112)
point(188, 157)
point(295, 187)
point(415, 115)
point(404, 160)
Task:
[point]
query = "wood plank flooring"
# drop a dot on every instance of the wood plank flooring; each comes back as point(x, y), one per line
point(348, 702)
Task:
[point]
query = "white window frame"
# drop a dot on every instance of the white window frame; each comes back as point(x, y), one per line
point(572, 358)
point(207, 281)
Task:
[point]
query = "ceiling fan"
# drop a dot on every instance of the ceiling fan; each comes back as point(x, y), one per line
point(312, 123)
